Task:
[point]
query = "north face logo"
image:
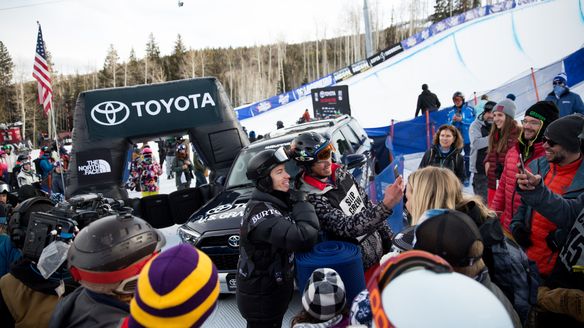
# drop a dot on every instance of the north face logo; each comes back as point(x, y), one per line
point(97, 166)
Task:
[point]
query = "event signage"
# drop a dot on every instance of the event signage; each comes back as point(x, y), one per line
point(136, 111)
point(383, 55)
point(360, 66)
point(342, 74)
point(94, 166)
point(331, 101)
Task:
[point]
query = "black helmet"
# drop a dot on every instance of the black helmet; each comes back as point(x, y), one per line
point(259, 167)
point(309, 147)
point(22, 158)
point(279, 124)
point(458, 94)
point(108, 250)
point(489, 106)
point(263, 162)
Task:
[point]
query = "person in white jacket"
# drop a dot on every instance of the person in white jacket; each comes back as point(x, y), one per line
point(27, 175)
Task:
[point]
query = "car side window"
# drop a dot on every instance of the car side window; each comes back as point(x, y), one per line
point(341, 144)
point(351, 137)
point(361, 134)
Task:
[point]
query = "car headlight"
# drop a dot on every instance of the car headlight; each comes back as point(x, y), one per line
point(189, 236)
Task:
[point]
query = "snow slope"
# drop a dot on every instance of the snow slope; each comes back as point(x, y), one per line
point(476, 56)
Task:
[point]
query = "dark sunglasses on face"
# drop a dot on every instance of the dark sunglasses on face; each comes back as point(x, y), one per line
point(550, 142)
point(558, 83)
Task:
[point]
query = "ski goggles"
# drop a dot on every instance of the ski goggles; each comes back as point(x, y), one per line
point(390, 270)
point(325, 153)
point(281, 155)
point(4, 188)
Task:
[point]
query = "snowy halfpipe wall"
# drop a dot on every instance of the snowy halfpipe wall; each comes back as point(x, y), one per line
point(107, 122)
point(475, 56)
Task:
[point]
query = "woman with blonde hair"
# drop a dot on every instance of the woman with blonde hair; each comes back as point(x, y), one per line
point(435, 187)
point(445, 151)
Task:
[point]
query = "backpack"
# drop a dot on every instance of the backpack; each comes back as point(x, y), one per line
point(37, 165)
point(510, 269)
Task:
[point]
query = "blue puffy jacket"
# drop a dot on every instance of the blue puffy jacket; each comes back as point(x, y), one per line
point(468, 116)
point(8, 254)
point(568, 103)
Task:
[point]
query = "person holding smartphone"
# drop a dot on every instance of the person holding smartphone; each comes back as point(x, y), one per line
point(562, 171)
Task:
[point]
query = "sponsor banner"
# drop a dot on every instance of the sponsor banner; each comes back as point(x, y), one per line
point(271, 103)
point(501, 6)
point(306, 89)
point(136, 111)
point(243, 113)
point(331, 101)
point(95, 166)
point(342, 74)
point(475, 13)
point(360, 66)
point(383, 55)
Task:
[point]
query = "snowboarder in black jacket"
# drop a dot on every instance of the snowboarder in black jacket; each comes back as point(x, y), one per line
point(276, 223)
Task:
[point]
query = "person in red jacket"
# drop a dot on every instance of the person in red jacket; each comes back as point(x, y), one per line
point(503, 137)
point(562, 171)
point(530, 145)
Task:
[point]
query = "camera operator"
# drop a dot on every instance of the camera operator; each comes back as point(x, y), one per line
point(106, 258)
point(27, 298)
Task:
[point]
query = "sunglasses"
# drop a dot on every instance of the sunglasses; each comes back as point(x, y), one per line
point(557, 83)
point(550, 142)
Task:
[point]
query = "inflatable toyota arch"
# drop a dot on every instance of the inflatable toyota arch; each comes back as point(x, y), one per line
point(107, 122)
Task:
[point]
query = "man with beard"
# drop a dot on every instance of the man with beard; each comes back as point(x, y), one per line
point(479, 143)
point(562, 172)
point(530, 146)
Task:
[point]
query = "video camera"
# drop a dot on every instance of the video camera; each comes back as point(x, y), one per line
point(64, 220)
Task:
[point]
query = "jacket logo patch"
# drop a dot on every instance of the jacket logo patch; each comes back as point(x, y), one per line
point(352, 203)
point(261, 215)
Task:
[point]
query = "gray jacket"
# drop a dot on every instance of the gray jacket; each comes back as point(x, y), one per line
point(477, 141)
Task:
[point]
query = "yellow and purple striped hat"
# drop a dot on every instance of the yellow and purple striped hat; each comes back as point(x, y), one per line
point(178, 288)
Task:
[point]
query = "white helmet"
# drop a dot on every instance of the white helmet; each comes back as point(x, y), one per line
point(425, 298)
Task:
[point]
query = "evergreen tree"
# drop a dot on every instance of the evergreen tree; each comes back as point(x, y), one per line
point(442, 10)
point(109, 75)
point(135, 69)
point(177, 62)
point(154, 67)
point(7, 91)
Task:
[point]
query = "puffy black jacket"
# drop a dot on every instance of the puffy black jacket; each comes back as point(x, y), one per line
point(427, 101)
point(452, 160)
point(271, 230)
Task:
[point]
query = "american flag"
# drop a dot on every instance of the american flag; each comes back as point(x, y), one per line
point(40, 72)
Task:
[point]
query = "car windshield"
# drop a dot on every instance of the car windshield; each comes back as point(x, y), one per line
point(237, 177)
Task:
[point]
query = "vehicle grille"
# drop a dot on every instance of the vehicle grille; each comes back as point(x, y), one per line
point(213, 241)
point(225, 261)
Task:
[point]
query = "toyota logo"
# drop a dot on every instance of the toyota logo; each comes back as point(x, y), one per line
point(110, 113)
point(233, 241)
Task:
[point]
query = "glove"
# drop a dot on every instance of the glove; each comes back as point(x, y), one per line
point(552, 242)
point(297, 196)
point(521, 235)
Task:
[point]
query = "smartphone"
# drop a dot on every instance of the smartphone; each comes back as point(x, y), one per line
point(522, 163)
point(395, 171)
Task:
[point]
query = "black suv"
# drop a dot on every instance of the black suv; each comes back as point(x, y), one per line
point(214, 228)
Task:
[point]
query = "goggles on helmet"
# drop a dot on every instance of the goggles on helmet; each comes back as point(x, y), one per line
point(391, 269)
point(281, 156)
point(4, 188)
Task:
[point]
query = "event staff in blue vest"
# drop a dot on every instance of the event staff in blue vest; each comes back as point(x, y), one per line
point(342, 206)
point(276, 223)
point(461, 116)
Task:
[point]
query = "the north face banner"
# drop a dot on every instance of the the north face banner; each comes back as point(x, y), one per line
point(95, 166)
point(129, 112)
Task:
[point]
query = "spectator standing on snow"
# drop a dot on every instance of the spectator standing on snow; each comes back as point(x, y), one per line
point(479, 143)
point(170, 145)
point(461, 116)
point(503, 137)
point(446, 151)
point(567, 101)
point(562, 171)
point(530, 145)
point(148, 173)
point(427, 101)
point(183, 168)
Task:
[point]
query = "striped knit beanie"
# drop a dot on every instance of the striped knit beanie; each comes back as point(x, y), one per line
point(178, 288)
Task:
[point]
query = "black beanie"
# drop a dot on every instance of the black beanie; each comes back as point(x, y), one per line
point(565, 131)
point(546, 112)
